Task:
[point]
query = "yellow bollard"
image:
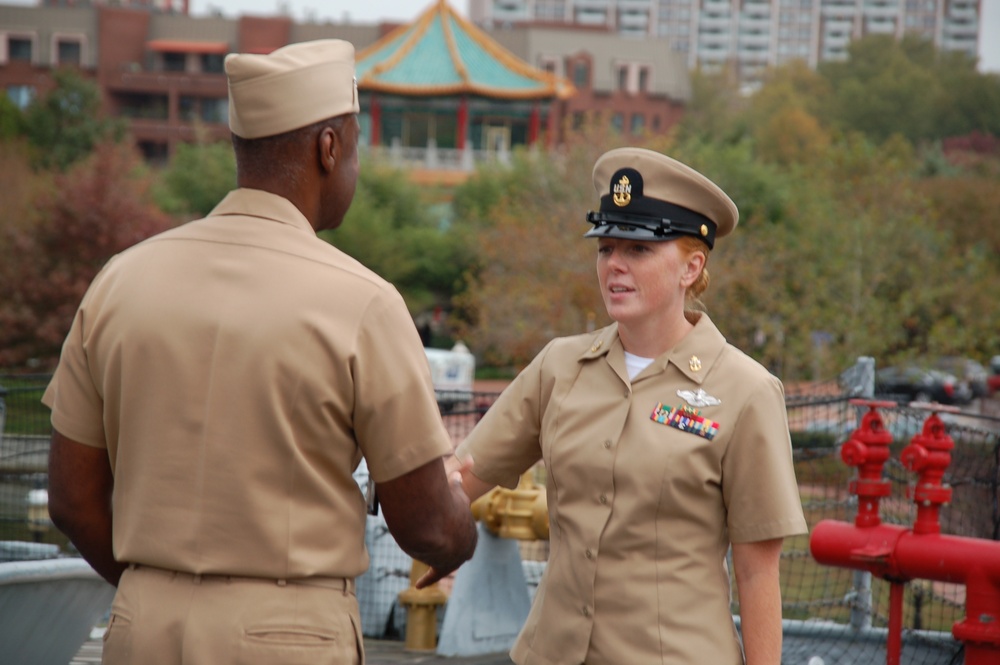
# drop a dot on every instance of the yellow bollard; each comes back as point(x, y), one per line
point(421, 611)
point(520, 513)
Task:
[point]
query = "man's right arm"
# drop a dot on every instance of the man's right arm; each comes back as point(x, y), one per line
point(430, 519)
point(80, 486)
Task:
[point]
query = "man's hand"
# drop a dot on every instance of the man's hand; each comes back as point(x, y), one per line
point(428, 514)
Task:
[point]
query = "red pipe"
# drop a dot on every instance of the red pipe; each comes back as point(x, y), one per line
point(898, 554)
point(894, 647)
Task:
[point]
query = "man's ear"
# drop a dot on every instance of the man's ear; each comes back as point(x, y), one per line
point(328, 145)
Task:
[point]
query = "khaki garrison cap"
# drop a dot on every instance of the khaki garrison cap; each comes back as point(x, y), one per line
point(649, 196)
point(291, 87)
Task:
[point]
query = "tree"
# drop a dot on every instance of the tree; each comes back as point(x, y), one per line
point(906, 86)
point(65, 125)
point(535, 275)
point(198, 177)
point(403, 233)
point(11, 119)
point(98, 208)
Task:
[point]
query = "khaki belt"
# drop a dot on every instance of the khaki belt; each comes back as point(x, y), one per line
point(345, 584)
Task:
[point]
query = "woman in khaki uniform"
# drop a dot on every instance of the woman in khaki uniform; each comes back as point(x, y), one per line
point(663, 446)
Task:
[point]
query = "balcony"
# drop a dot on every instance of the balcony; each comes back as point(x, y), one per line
point(715, 39)
point(835, 26)
point(835, 41)
point(590, 17)
point(716, 6)
point(877, 27)
point(754, 40)
point(133, 79)
point(433, 158)
point(838, 11)
point(960, 30)
point(635, 5)
point(715, 21)
point(750, 55)
point(881, 11)
point(510, 14)
point(633, 19)
point(962, 13)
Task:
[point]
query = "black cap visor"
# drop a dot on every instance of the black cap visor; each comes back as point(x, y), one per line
point(641, 227)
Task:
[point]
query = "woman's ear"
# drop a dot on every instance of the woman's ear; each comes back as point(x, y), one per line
point(693, 267)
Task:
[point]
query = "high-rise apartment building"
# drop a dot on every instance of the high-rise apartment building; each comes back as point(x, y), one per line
point(753, 34)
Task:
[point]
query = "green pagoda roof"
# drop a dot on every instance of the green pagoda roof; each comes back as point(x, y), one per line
point(441, 53)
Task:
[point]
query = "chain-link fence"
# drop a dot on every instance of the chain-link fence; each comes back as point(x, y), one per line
point(833, 616)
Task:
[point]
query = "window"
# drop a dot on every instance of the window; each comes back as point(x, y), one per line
point(215, 110)
point(19, 48)
point(623, 78)
point(548, 64)
point(581, 74)
point(617, 122)
point(174, 62)
point(212, 63)
point(69, 52)
point(187, 108)
point(637, 123)
point(644, 79)
point(21, 95)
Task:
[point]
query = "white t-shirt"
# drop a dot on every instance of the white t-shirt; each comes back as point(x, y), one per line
point(635, 364)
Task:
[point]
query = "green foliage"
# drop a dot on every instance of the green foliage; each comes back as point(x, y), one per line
point(11, 119)
point(907, 87)
point(65, 125)
point(535, 273)
point(398, 230)
point(198, 177)
point(715, 110)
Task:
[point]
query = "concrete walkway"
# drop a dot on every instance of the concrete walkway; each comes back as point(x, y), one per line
point(378, 652)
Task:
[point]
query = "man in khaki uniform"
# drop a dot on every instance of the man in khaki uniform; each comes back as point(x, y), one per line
point(662, 445)
point(220, 383)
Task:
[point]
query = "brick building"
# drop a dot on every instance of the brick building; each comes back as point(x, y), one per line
point(162, 69)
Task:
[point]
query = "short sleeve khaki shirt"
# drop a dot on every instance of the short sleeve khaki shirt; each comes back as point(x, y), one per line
point(236, 368)
point(648, 482)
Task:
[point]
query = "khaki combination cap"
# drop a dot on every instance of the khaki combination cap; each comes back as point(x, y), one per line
point(649, 196)
point(291, 87)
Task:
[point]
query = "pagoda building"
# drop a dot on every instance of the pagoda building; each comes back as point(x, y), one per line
point(442, 84)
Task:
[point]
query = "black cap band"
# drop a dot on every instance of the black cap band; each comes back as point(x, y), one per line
point(660, 219)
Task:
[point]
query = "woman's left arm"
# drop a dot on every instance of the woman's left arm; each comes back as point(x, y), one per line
point(756, 568)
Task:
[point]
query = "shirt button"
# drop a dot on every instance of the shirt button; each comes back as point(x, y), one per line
point(590, 555)
point(607, 443)
point(604, 499)
point(586, 611)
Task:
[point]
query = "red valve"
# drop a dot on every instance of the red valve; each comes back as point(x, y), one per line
point(868, 450)
point(929, 455)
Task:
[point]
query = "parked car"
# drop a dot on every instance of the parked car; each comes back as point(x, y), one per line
point(968, 370)
point(912, 383)
point(993, 380)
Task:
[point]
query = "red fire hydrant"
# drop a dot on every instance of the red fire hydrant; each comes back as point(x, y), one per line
point(898, 554)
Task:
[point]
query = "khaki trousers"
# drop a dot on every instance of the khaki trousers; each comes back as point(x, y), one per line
point(162, 617)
